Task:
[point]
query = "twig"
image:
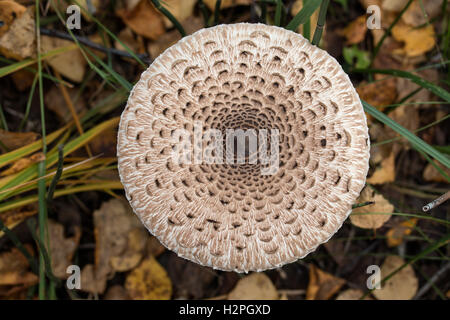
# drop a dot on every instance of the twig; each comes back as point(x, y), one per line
point(436, 202)
point(88, 43)
point(432, 280)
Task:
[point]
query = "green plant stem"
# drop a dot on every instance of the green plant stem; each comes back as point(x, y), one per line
point(320, 22)
point(217, 11)
point(169, 16)
point(30, 99)
point(263, 12)
point(204, 12)
point(41, 166)
point(3, 119)
point(278, 13)
point(304, 14)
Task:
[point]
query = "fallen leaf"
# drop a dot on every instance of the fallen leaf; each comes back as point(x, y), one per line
point(211, 4)
point(9, 11)
point(149, 281)
point(23, 79)
point(118, 243)
point(379, 93)
point(136, 244)
point(322, 285)
point(256, 286)
point(362, 217)
point(105, 143)
point(14, 268)
point(433, 175)
point(415, 15)
point(93, 281)
point(62, 249)
point(19, 41)
point(394, 5)
point(351, 294)
point(395, 235)
point(356, 30)
point(181, 10)
point(12, 218)
point(191, 24)
point(54, 100)
point(23, 163)
point(15, 140)
point(385, 173)
point(402, 286)
point(116, 292)
point(417, 41)
point(133, 42)
point(185, 274)
point(70, 64)
point(143, 19)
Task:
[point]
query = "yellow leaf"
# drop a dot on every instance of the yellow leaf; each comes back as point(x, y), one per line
point(402, 286)
point(149, 281)
point(385, 173)
point(9, 11)
point(356, 30)
point(362, 217)
point(395, 235)
point(256, 286)
point(23, 163)
point(417, 41)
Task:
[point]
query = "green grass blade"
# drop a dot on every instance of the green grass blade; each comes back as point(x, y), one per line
point(303, 15)
point(413, 139)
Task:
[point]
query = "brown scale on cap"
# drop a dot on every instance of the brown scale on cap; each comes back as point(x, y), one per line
point(244, 76)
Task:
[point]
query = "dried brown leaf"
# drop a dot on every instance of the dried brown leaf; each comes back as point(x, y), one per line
point(256, 286)
point(371, 221)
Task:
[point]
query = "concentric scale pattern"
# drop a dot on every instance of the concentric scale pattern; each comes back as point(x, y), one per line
point(230, 216)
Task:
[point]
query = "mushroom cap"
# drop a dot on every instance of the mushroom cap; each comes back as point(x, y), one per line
point(230, 216)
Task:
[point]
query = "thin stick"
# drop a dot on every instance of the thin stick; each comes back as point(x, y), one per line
point(88, 43)
point(436, 202)
point(432, 280)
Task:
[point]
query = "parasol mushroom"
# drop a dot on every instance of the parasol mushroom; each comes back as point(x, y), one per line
point(231, 216)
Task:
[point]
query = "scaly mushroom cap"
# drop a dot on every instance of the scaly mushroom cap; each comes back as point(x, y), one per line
point(244, 76)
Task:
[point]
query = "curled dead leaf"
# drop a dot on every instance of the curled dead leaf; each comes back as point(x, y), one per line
point(19, 41)
point(417, 41)
point(143, 19)
point(15, 140)
point(9, 11)
point(322, 285)
point(23, 163)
